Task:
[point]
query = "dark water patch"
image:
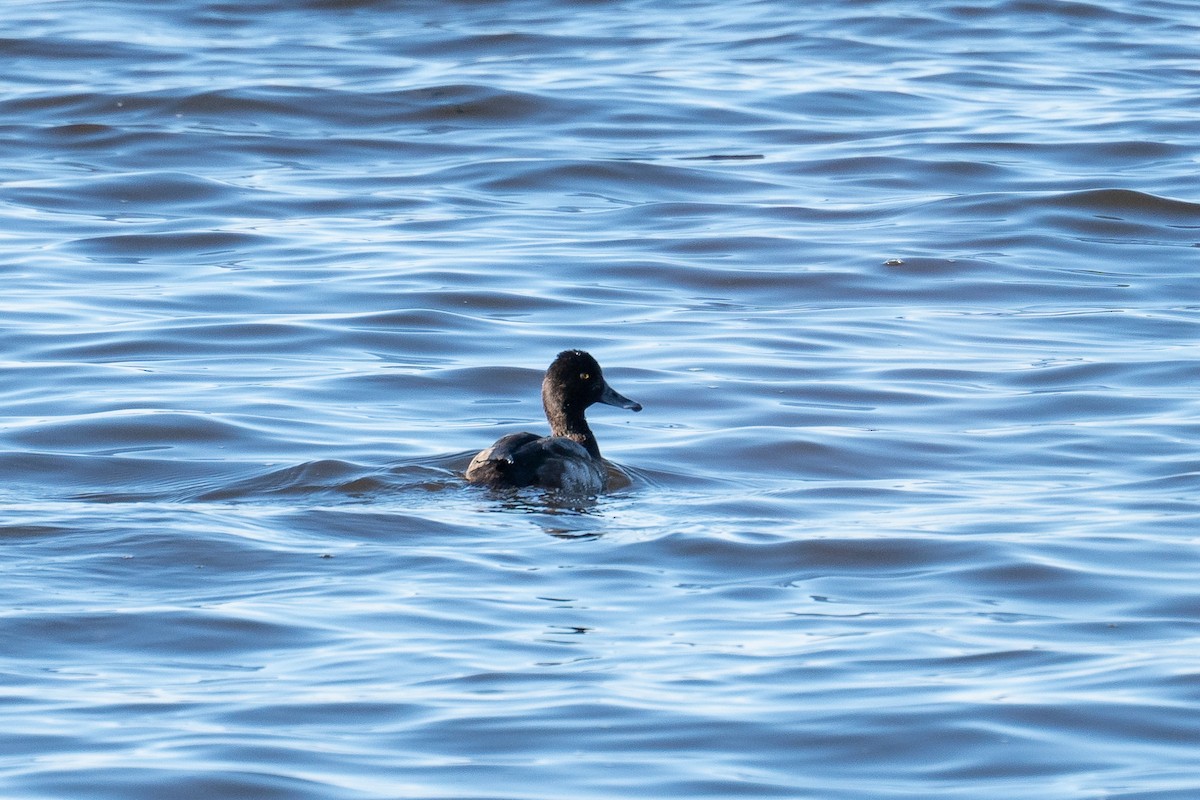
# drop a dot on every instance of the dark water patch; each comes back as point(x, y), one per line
point(85, 133)
point(157, 634)
point(304, 479)
point(859, 105)
point(1042, 583)
point(783, 559)
point(675, 215)
point(1070, 158)
point(796, 455)
point(168, 340)
point(334, 481)
point(146, 782)
point(316, 714)
point(468, 107)
point(516, 44)
point(74, 49)
point(431, 308)
point(618, 181)
point(127, 431)
point(91, 108)
point(167, 193)
point(21, 531)
point(1120, 375)
point(1174, 484)
point(286, 111)
point(203, 246)
point(1128, 205)
point(1073, 406)
point(366, 524)
point(1070, 12)
point(1158, 794)
point(1074, 208)
point(885, 172)
point(116, 478)
point(726, 157)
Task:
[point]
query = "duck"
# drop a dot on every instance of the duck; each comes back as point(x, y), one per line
point(568, 460)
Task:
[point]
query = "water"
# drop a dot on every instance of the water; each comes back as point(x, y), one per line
point(908, 291)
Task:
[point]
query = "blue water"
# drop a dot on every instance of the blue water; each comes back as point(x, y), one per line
point(909, 292)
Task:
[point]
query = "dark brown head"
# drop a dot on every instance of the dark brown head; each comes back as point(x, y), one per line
point(572, 383)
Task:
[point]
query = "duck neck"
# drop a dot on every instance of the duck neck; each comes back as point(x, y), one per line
point(569, 422)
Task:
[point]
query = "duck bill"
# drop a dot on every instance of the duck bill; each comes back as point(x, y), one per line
point(611, 397)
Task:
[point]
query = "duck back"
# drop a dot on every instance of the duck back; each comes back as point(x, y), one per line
point(526, 459)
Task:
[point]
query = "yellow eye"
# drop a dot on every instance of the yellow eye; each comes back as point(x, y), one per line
point(583, 376)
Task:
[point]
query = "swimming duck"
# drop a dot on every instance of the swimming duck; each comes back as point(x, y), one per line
point(569, 458)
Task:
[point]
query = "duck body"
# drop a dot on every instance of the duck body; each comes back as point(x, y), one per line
point(551, 462)
point(569, 458)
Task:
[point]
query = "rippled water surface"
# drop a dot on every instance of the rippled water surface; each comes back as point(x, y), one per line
point(909, 292)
